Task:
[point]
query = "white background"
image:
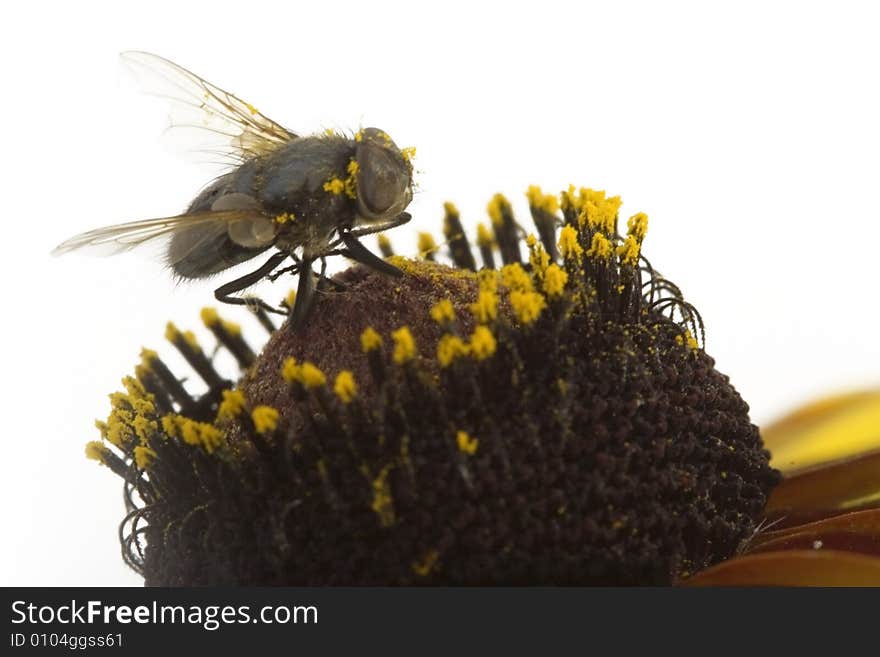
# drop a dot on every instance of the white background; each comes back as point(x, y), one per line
point(748, 132)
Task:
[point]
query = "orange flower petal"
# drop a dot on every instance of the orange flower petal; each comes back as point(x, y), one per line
point(844, 485)
point(828, 429)
point(792, 568)
point(851, 532)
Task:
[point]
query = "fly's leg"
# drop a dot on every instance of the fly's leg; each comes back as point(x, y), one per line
point(401, 219)
point(358, 252)
point(224, 292)
point(287, 270)
point(305, 295)
point(327, 280)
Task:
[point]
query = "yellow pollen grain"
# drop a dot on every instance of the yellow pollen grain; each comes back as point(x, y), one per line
point(370, 340)
point(197, 434)
point(383, 502)
point(285, 217)
point(351, 180)
point(135, 388)
point(209, 316)
point(497, 208)
point(144, 428)
point(231, 405)
point(539, 259)
point(409, 153)
point(527, 306)
point(555, 279)
point(485, 308)
point(102, 428)
point(483, 343)
point(449, 348)
point(466, 444)
point(594, 196)
point(290, 299)
point(311, 376)
point(96, 451)
point(191, 340)
point(569, 246)
point(251, 108)
point(172, 333)
point(148, 357)
point(169, 425)
point(426, 244)
point(265, 419)
point(143, 456)
point(628, 252)
point(404, 345)
point(443, 312)
point(600, 248)
point(637, 226)
point(488, 279)
point(231, 328)
point(290, 370)
point(687, 339)
point(514, 277)
point(424, 567)
point(345, 387)
point(569, 201)
point(541, 201)
point(484, 236)
point(334, 186)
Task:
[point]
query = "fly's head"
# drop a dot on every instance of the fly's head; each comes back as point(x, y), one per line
point(383, 177)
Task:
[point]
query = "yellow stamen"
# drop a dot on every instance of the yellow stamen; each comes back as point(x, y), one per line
point(345, 386)
point(232, 404)
point(404, 345)
point(265, 419)
point(541, 201)
point(449, 348)
point(443, 312)
point(569, 246)
point(600, 248)
point(527, 306)
point(370, 340)
point(485, 308)
point(515, 277)
point(143, 456)
point(483, 344)
point(555, 279)
point(484, 236)
point(466, 444)
point(497, 208)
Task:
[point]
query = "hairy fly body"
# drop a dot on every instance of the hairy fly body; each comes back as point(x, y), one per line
point(306, 198)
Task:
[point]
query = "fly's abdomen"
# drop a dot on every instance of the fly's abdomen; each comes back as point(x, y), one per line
point(202, 251)
point(206, 248)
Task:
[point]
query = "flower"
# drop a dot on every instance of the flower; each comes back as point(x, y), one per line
point(822, 523)
point(556, 421)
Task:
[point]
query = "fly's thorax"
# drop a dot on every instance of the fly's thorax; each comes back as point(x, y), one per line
point(301, 169)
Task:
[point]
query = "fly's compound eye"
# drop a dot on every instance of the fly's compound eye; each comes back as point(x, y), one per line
point(383, 178)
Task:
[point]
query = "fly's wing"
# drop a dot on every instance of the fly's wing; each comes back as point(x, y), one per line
point(226, 126)
point(247, 228)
